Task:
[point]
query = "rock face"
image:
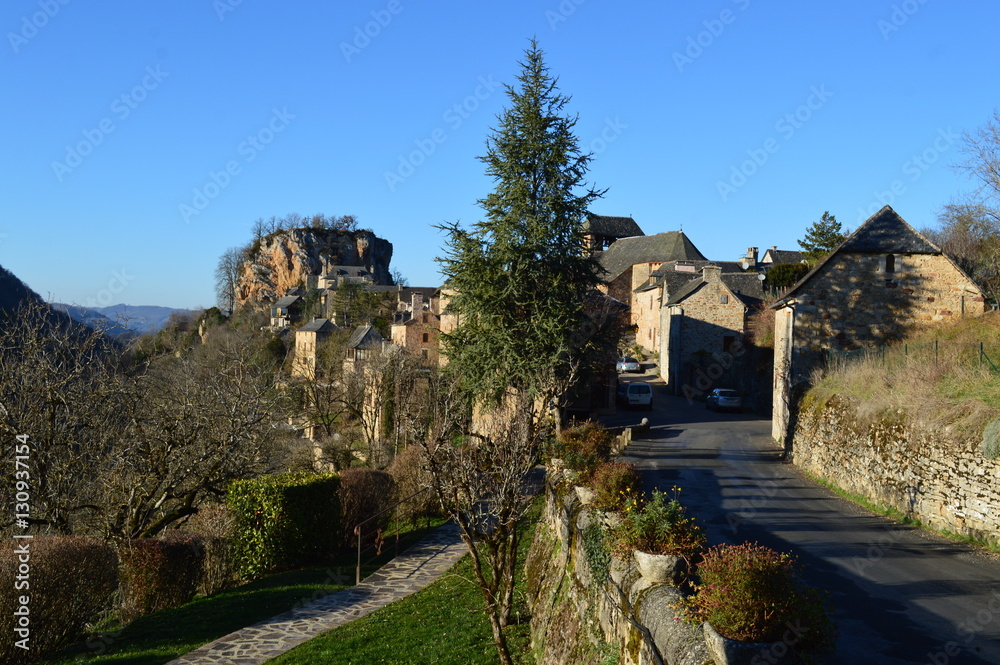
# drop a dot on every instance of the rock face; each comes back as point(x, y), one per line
point(282, 260)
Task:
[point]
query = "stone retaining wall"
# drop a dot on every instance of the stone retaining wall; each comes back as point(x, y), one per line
point(929, 475)
point(577, 621)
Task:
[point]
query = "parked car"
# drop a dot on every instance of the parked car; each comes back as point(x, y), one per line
point(724, 399)
point(629, 365)
point(636, 394)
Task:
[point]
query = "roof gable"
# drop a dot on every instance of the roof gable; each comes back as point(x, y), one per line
point(886, 232)
point(657, 248)
point(365, 337)
point(614, 227)
point(318, 326)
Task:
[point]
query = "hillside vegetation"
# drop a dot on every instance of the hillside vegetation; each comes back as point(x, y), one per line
point(944, 376)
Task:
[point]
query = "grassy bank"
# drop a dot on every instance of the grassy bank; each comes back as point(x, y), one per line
point(444, 623)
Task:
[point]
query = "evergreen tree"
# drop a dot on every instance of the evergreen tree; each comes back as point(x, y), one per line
point(822, 237)
point(519, 276)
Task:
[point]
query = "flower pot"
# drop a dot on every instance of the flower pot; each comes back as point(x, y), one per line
point(584, 494)
point(734, 652)
point(660, 568)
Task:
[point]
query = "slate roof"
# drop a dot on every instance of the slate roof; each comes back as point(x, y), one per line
point(627, 252)
point(318, 326)
point(745, 285)
point(615, 227)
point(285, 301)
point(885, 232)
point(672, 279)
point(365, 337)
point(785, 256)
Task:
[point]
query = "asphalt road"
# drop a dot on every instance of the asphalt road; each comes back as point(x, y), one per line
point(900, 595)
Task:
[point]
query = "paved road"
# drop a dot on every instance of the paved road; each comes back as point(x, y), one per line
point(901, 596)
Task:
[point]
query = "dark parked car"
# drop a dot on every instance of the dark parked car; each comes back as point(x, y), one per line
point(724, 399)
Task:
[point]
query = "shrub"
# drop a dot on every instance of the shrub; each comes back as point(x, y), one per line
point(158, 573)
point(583, 448)
point(991, 439)
point(364, 493)
point(658, 527)
point(614, 484)
point(283, 521)
point(749, 592)
point(213, 524)
point(72, 584)
point(411, 476)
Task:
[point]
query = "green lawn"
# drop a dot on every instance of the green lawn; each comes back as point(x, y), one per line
point(444, 623)
point(160, 637)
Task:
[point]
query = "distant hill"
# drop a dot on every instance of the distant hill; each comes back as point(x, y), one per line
point(140, 319)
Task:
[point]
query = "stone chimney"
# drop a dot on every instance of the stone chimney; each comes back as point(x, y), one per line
point(416, 302)
point(711, 273)
point(752, 255)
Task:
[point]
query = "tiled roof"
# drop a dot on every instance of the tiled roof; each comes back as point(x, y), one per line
point(285, 301)
point(615, 227)
point(671, 278)
point(785, 256)
point(746, 286)
point(660, 247)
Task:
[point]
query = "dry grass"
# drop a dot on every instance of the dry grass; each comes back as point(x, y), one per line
point(951, 390)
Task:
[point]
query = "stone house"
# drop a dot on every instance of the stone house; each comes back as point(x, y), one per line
point(600, 232)
point(416, 326)
point(286, 311)
point(364, 343)
point(629, 263)
point(882, 280)
point(774, 256)
point(704, 325)
point(308, 340)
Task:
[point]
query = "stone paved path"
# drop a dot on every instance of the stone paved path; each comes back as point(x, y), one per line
point(411, 571)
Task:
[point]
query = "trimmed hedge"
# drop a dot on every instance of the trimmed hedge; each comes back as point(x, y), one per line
point(157, 574)
point(72, 584)
point(283, 521)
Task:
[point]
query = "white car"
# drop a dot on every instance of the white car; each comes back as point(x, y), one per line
point(637, 394)
point(724, 399)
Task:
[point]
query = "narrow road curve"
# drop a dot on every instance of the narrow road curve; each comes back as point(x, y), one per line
point(900, 594)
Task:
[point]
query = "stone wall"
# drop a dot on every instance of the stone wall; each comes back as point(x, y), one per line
point(929, 475)
point(575, 620)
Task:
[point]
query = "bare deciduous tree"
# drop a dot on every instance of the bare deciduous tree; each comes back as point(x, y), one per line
point(227, 276)
point(480, 479)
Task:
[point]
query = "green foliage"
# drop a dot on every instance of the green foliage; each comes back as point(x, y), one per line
point(658, 526)
point(751, 593)
point(595, 548)
point(518, 276)
point(284, 520)
point(614, 484)
point(785, 275)
point(73, 582)
point(159, 573)
point(822, 237)
point(583, 448)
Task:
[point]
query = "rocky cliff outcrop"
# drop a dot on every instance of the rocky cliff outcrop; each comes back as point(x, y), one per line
point(282, 260)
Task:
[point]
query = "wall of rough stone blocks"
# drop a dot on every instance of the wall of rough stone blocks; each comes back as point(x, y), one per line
point(707, 321)
point(930, 475)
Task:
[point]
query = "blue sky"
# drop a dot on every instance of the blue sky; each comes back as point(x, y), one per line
point(144, 138)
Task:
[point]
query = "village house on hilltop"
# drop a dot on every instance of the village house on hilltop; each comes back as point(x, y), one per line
point(880, 281)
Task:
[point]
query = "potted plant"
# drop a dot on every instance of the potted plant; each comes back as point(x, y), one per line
point(754, 606)
point(660, 537)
